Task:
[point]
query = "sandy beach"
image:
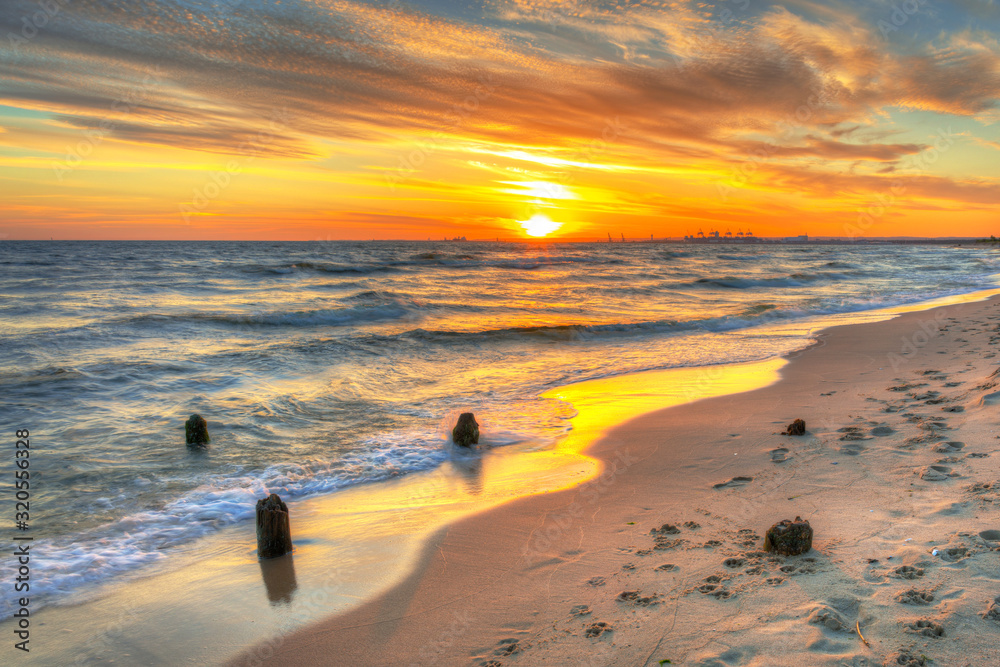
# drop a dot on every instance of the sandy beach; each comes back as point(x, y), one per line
point(658, 560)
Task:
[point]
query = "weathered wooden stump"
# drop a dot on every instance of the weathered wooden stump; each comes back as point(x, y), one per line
point(466, 431)
point(789, 538)
point(196, 430)
point(274, 532)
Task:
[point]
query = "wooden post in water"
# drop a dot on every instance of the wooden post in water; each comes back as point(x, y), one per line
point(274, 532)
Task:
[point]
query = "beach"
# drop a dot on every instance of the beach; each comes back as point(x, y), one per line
point(658, 560)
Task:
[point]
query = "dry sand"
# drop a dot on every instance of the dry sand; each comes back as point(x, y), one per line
point(659, 558)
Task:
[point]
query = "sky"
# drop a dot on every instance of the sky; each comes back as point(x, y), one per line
point(511, 119)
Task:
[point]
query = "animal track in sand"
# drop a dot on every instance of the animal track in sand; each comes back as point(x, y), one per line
point(882, 430)
point(992, 612)
point(597, 581)
point(907, 572)
point(635, 598)
point(953, 554)
point(733, 483)
point(852, 450)
point(906, 659)
point(907, 387)
point(508, 647)
point(830, 619)
point(598, 629)
point(734, 562)
point(913, 596)
point(580, 610)
point(925, 627)
point(954, 408)
point(665, 529)
point(990, 535)
point(666, 567)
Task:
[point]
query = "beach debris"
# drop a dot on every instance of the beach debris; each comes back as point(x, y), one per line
point(466, 431)
point(857, 626)
point(274, 532)
point(789, 538)
point(797, 427)
point(196, 430)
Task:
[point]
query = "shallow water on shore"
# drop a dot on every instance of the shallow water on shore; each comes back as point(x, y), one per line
point(324, 366)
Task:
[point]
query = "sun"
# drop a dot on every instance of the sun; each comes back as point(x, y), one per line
point(539, 225)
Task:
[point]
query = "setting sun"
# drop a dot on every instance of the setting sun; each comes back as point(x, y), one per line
point(539, 225)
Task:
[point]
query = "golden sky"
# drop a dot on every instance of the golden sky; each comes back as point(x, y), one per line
point(321, 119)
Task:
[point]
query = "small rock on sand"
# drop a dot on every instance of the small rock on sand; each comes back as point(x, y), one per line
point(466, 431)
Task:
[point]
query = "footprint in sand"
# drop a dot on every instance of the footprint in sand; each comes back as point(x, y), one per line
point(913, 596)
point(992, 612)
point(733, 483)
point(598, 629)
point(990, 399)
point(953, 554)
point(779, 455)
point(990, 535)
point(882, 430)
point(949, 447)
point(597, 581)
point(852, 433)
point(580, 610)
point(936, 473)
point(907, 572)
point(830, 619)
point(634, 597)
point(852, 450)
point(508, 647)
point(925, 627)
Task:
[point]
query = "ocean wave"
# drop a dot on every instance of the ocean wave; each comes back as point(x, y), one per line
point(790, 280)
point(353, 315)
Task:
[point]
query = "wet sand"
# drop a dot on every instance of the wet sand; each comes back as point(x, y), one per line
point(659, 557)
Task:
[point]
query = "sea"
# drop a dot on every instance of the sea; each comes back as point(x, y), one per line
point(325, 365)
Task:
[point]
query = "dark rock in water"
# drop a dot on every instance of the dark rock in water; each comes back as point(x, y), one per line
point(466, 431)
point(274, 532)
point(797, 427)
point(789, 538)
point(196, 430)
